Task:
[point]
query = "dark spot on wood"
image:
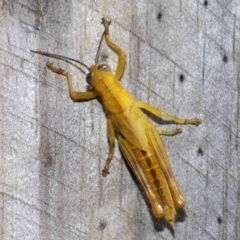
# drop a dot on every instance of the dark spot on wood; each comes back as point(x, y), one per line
point(225, 59)
point(205, 3)
point(105, 56)
point(200, 151)
point(159, 16)
point(102, 225)
point(219, 220)
point(181, 78)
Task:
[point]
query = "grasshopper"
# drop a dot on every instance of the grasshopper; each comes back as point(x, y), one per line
point(139, 140)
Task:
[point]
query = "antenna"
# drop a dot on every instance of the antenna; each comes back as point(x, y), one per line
point(60, 57)
point(99, 46)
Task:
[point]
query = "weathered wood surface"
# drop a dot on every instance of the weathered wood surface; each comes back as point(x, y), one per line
point(183, 57)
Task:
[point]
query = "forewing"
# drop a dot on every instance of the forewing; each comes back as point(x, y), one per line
point(161, 154)
point(127, 150)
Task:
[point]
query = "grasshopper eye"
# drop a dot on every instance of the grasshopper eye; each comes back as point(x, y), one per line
point(89, 78)
point(104, 67)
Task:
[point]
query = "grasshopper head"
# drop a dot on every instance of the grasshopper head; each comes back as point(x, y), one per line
point(98, 72)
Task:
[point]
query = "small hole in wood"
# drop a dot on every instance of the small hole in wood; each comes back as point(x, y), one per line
point(181, 78)
point(200, 151)
point(219, 220)
point(159, 16)
point(225, 59)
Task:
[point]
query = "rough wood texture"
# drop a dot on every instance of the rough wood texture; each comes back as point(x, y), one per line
point(183, 57)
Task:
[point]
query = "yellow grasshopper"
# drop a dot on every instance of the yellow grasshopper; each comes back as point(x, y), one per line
point(139, 140)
